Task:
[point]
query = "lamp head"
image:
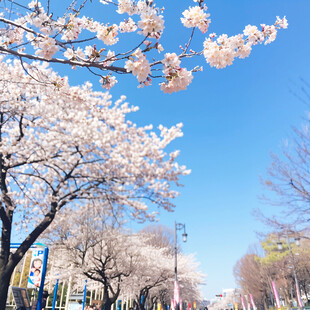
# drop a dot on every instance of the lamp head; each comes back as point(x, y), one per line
point(280, 246)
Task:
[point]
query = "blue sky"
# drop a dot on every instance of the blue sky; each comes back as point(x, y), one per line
point(233, 118)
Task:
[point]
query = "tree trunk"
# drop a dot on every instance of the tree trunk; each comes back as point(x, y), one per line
point(265, 304)
point(8, 261)
point(139, 305)
point(4, 287)
point(107, 300)
point(107, 305)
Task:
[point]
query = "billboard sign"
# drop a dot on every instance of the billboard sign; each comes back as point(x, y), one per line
point(36, 267)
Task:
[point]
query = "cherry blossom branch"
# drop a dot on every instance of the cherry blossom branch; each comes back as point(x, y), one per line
point(10, 22)
point(189, 42)
point(64, 61)
point(22, 64)
point(18, 4)
point(132, 50)
point(218, 53)
point(80, 8)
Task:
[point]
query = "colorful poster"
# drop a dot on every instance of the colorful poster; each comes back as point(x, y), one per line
point(36, 267)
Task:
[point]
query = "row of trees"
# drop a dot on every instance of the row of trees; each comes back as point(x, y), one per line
point(139, 265)
point(287, 183)
point(256, 271)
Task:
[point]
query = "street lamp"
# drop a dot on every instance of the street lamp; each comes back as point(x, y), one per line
point(280, 247)
point(177, 226)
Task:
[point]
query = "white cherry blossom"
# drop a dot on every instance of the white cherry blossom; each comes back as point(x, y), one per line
point(151, 24)
point(81, 41)
point(196, 17)
point(127, 26)
point(139, 67)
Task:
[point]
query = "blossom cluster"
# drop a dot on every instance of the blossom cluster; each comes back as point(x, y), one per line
point(60, 40)
point(74, 139)
point(139, 67)
point(221, 52)
point(196, 17)
point(177, 78)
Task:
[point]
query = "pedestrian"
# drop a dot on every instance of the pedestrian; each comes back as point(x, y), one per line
point(43, 303)
point(44, 299)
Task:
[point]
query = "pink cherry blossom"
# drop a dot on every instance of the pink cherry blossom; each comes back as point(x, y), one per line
point(139, 67)
point(196, 17)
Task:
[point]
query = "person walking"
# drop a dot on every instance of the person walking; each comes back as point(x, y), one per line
point(43, 303)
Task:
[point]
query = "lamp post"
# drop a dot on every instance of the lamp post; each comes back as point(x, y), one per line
point(177, 226)
point(280, 247)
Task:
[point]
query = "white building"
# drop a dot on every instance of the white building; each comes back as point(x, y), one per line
point(227, 300)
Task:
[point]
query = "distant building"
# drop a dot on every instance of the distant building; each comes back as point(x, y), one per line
point(227, 300)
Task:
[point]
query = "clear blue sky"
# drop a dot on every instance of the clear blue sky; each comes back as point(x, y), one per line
point(232, 119)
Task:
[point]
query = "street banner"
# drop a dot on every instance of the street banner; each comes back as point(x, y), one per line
point(299, 300)
point(248, 303)
point(276, 294)
point(243, 305)
point(176, 295)
point(36, 267)
point(252, 302)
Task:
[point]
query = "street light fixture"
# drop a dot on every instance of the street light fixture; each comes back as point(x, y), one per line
point(280, 247)
point(177, 226)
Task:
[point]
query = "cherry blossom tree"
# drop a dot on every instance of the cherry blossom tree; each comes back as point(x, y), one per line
point(92, 247)
point(153, 278)
point(104, 262)
point(117, 261)
point(63, 146)
point(56, 33)
point(159, 236)
point(153, 271)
